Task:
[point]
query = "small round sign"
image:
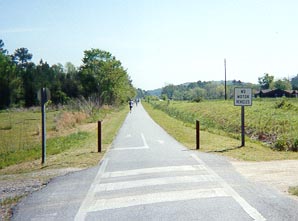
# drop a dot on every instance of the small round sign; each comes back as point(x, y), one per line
point(47, 94)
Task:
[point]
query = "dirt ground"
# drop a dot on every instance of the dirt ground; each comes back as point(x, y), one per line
point(15, 186)
point(280, 174)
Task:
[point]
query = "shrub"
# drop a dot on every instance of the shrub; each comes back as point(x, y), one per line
point(293, 190)
point(295, 145)
point(69, 119)
point(197, 99)
point(281, 144)
point(284, 104)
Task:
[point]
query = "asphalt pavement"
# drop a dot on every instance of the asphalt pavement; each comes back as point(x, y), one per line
point(148, 175)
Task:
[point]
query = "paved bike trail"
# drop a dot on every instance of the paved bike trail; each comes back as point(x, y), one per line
point(147, 175)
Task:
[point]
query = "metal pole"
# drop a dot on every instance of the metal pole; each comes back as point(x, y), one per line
point(198, 134)
point(99, 136)
point(43, 125)
point(242, 127)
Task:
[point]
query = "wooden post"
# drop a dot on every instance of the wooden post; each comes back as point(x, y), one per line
point(198, 134)
point(99, 136)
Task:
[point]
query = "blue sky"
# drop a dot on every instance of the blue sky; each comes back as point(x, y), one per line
point(161, 41)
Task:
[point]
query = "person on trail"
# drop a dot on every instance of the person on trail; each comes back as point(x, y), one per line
point(130, 105)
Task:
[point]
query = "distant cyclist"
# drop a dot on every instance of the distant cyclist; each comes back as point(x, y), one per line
point(130, 105)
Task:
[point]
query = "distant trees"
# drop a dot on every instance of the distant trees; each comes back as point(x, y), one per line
point(101, 75)
point(196, 91)
point(266, 82)
point(283, 84)
point(2, 50)
point(294, 82)
point(21, 57)
point(9, 81)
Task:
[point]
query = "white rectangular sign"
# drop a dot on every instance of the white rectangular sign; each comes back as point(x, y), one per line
point(242, 96)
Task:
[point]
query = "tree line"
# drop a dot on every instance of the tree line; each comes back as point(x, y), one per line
point(197, 91)
point(101, 75)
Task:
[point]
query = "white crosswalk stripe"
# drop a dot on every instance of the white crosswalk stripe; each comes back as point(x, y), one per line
point(114, 203)
point(151, 170)
point(104, 193)
point(153, 182)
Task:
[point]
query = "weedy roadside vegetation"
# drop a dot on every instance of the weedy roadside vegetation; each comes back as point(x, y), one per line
point(20, 129)
point(293, 190)
point(271, 121)
point(215, 140)
point(71, 143)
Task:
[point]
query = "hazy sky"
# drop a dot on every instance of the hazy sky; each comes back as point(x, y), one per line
point(161, 41)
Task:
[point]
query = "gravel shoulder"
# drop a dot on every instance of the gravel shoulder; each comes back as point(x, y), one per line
point(15, 186)
point(280, 174)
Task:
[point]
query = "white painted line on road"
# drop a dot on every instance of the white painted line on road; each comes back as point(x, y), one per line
point(153, 182)
point(134, 148)
point(160, 141)
point(152, 170)
point(45, 217)
point(144, 140)
point(162, 197)
point(251, 211)
point(130, 148)
point(89, 199)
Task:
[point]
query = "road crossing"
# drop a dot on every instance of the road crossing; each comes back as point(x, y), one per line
point(147, 175)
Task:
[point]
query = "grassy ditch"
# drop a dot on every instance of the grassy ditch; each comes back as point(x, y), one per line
point(214, 139)
point(271, 121)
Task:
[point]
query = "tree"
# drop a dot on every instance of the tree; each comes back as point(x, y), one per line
point(294, 82)
point(266, 81)
point(70, 68)
point(72, 85)
point(284, 84)
point(168, 91)
point(22, 57)
point(197, 94)
point(102, 74)
point(2, 50)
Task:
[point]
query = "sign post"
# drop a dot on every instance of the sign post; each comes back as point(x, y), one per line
point(242, 97)
point(43, 96)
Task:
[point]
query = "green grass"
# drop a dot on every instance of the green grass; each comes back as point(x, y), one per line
point(293, 190)
point(21, 129)
point(213, 139)
point(54, 146)
point(274, 121)
point(21, 140)
point(64, 150)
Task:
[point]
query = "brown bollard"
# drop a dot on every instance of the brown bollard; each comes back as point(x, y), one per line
point(99, 136)
point(198, 134)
